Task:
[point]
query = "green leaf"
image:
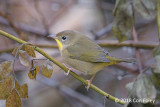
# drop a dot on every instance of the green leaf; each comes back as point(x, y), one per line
point(142, 88)
point(147, 8)
point(156, 51)
point(145, 88)
point(123, 20)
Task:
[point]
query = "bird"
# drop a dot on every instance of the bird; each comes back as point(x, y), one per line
point(83, 54)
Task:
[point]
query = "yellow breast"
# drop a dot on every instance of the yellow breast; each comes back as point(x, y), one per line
point(59, 44)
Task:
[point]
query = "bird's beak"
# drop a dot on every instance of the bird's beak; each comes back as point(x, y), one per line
point(52, 36)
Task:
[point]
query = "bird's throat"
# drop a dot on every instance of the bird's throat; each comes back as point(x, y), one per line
point(59, 44)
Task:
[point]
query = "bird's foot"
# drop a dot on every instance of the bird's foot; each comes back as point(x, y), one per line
point(67, 73)
point(69, 69)
point(89, 83)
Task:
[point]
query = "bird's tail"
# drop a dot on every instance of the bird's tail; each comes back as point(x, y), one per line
point(128, 60)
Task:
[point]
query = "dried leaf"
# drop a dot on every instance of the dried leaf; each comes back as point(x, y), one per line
point(14, 51)
point(33, 72)
point(23, 90)
point(123, 20)
point(147, 8)
point(47, 69)
point(24, 93)
point(13, 100)
point(6, 87)
point(5, 69)
point(23, 59)
point(30, 51)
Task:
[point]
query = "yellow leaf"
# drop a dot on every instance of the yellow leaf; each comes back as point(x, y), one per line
point(13, 100)
point(24, 94)
point(23, 59)
point(47, 69)
point(23, 90)
point(30, 51)
point(5, 69)
point(6, 87)
point(33, 72)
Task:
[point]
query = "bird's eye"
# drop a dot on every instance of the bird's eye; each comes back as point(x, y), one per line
point(64, 38)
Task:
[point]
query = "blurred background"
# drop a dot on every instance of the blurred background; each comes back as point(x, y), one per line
point(33, 20)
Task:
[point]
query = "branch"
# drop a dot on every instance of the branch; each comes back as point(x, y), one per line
point(138, 56)
point(158, 19)
point(110, 97)
point(115, 43)
point(139, 44)
point(103, 43)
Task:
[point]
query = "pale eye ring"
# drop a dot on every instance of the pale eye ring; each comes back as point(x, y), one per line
point(64, 38)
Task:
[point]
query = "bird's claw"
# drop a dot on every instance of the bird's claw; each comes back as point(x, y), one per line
point(89, 83)
point(69, 69)
point(67, 73)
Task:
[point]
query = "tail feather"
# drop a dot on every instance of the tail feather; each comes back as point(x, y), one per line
point(128, 60)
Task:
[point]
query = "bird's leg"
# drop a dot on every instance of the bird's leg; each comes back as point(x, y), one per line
point(90, 81)
point(69, 69)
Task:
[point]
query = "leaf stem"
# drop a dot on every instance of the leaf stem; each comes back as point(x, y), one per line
point(110, 97)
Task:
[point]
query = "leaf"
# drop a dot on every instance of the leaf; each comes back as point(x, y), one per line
point(156, 79)
point(6, 87)
point(129, 87)
point(13, 100)
point(30, 51)
point(47, 69)
point(147, 8)
point(157, 69)
point(156, 51)
point(123, 20)
point(33, 72)
point(143, 88)
point(14, 51)
point(24, 93)
point(5, 69)
point(23, 59)
point(23, 90)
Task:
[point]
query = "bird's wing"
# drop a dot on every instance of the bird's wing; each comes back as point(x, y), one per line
point(86, 52)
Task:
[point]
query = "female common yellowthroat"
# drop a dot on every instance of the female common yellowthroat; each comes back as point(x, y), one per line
point(83, 54)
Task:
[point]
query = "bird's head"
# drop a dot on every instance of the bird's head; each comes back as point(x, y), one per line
point(66, 38)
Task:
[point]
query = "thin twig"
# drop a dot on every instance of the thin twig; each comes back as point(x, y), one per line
point(103, 43)
point(139, 44)
point(158, 19)
point(110, 97)
point(135, 38)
